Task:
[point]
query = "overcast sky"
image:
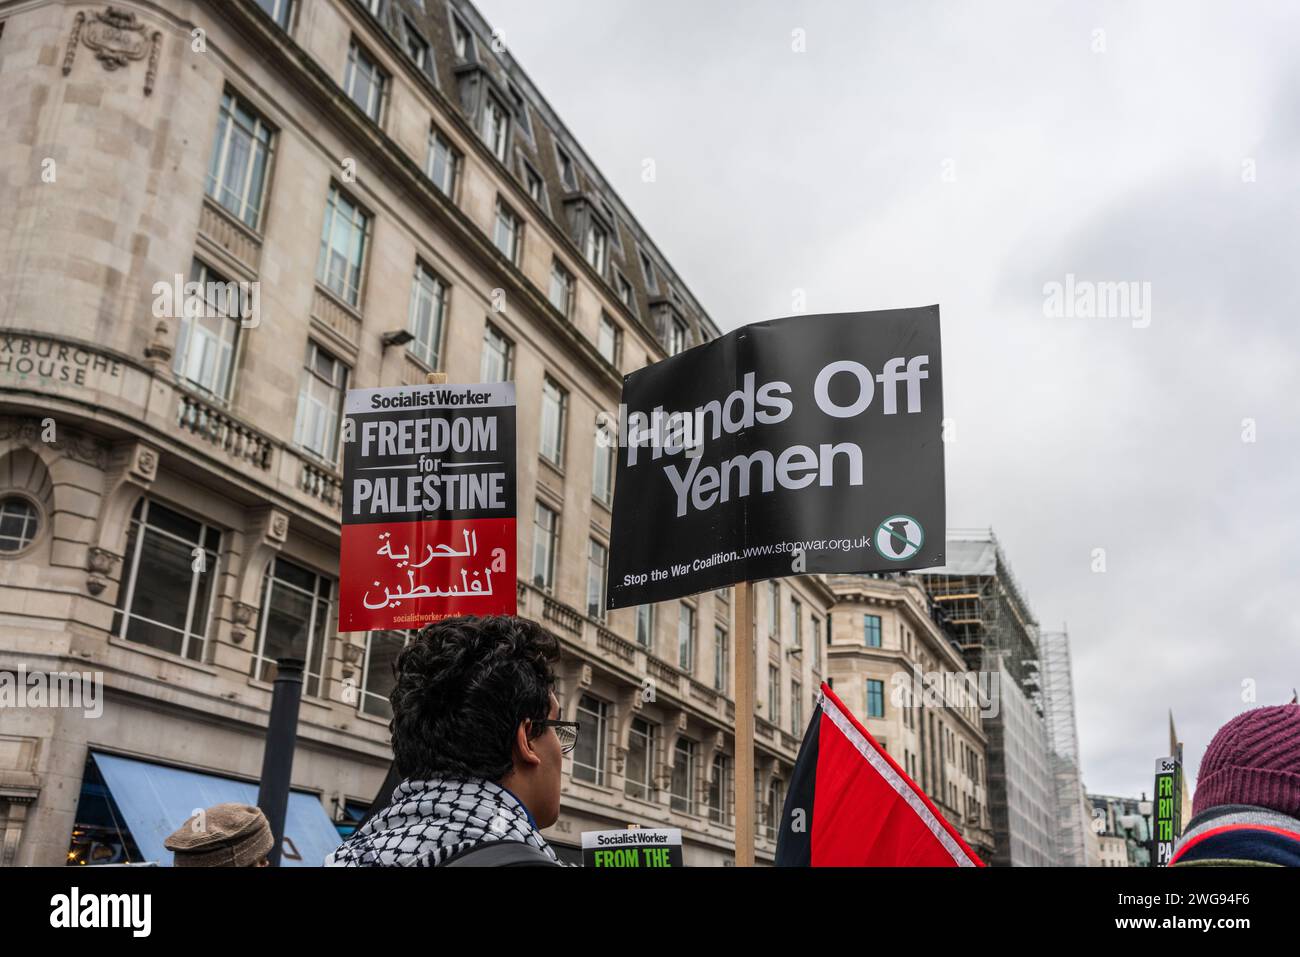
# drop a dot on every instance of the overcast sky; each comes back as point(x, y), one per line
point(968, 154)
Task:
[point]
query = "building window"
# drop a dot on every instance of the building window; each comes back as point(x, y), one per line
point(561, 289)
point(875, 698)
point(720, 790)
point(209, 333)
point(168, 582)
point(721, 658)
point(507, 232)
point(320, 403)
point(686, 637)
point(554, 403)
point(595, 246)
point(19, 523)
point(602, 470)
point(443, 165)
point(428, 310)
point(461, 39)
point(625, 293)
point(817, 643)
point(648, 270)
point(645, 626)
point(597, 567)
point(418, 48)
point(796, 707)
point(279, 11)
point(343, 247)
point(521, 111)
point(496, 127)
point(589, 755)
point(773, 694)
point(241, 156)
point(546, 524)
point(378, 674)
point(535, 185)
point(613, 219)
point(546, 535)
point(796, 623)
point(568, 175)
point(639, 781)
point(294, 622)
point(683, 780)
point(609, 340)
point(871, 630)
point(677, 337)
point(498, 356)
point(773, 810)
point(364, 81)
point(773, 609)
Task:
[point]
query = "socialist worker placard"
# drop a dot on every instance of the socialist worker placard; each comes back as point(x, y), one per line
point(428, 505)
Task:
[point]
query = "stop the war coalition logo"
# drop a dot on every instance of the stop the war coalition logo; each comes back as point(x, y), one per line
point(428, 505)
point(809, 444)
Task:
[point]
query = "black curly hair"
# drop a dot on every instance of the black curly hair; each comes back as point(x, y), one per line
point(463, 687)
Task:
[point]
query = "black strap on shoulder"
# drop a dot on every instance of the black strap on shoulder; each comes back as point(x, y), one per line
point(499, 854)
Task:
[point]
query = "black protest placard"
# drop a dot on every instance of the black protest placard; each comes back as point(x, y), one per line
point(811, 444)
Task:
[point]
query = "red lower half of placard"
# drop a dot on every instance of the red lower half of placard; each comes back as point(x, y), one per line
point(402, 575)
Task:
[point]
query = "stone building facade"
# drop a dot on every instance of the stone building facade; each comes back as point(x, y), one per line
point(366, 191)
point(891, 661)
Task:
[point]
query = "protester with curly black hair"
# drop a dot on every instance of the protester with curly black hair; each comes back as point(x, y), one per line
point(478, 746)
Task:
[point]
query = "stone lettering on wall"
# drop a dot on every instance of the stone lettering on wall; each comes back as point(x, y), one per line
point(46, 361)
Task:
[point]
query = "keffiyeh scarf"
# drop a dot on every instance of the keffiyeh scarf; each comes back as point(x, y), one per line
point(427, 822)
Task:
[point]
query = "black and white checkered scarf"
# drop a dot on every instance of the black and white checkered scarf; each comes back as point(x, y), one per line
point(427, 822)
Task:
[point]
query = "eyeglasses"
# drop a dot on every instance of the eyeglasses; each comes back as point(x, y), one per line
point(566, 731)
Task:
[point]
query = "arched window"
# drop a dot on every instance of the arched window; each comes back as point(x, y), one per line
point(19, 523)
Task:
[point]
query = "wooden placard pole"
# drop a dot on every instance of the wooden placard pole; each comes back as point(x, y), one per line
point(742, 600)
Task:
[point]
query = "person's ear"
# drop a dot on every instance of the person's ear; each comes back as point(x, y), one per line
point(524, 751)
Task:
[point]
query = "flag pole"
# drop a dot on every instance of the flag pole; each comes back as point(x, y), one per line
point(743, 602)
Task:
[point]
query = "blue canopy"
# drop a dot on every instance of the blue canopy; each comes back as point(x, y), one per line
point(155, 800)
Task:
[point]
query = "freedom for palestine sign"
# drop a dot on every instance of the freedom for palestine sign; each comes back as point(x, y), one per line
point(428, 505)
point(811, 444)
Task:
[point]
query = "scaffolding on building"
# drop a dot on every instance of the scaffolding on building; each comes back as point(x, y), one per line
point(986, 610)
point(1063, 740)
point(985, 607)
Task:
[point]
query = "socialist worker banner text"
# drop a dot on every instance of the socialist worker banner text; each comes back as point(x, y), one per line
point(428, 505)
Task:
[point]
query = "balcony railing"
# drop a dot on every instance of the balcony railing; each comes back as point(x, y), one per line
point(562, 615)
point(664, 675)
point(321, 483)
point(226, 433)
point(606, 640)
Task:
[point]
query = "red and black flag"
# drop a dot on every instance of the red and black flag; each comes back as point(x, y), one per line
point(850, 805)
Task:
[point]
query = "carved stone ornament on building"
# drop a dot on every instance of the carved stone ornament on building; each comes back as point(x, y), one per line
point(242, 615)
point(279, 527)
point(585, 676)
point(145, 464)
point(75, 445)
point(159, 347)
point(99, 562)
point(117, 38)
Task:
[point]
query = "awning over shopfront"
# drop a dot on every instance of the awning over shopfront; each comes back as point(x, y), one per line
point(156, 800)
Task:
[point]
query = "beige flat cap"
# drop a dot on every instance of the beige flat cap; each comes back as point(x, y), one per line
point(224, 835)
